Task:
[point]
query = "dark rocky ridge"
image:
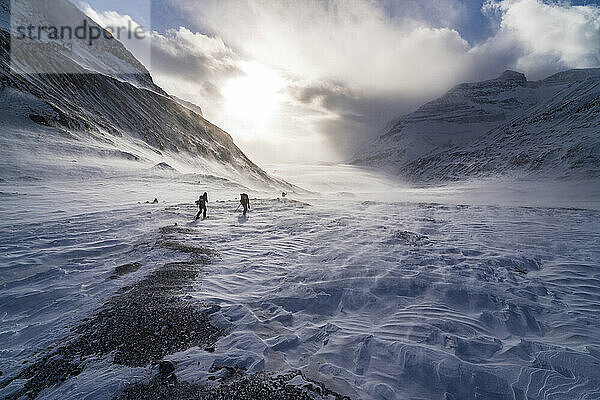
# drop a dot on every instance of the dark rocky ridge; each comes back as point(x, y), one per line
point(126, 269)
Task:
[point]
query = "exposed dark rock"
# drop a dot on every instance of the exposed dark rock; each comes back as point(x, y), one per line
point(261, 386)
point(186, 248)
point(166, 368)
point(173, 229)
point(126, 269)
point(412, 238)
point(163, 166)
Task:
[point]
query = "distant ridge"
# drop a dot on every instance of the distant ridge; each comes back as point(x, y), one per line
point(507, 125)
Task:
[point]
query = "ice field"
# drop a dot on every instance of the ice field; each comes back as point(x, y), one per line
point(482, 290)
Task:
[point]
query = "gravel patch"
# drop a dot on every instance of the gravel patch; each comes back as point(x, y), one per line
point(240, 386)
point(138, 326)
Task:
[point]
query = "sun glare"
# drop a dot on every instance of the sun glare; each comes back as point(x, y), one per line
point(252, 101)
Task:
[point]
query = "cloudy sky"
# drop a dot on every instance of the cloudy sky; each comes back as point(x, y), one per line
point(312, 80)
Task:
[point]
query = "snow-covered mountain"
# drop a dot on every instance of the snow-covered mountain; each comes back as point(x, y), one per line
point(502, 126)
point(99, 100)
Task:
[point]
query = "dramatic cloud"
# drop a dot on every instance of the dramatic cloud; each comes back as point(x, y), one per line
point(540, 38)
point(190, 65)
point(353, 41)
point(312, 79)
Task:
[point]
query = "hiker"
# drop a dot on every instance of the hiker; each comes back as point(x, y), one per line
point(245, 202)
point(284, 194)
point(201, 202)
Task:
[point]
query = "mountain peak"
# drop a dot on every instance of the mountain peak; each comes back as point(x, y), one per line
point(510, 75)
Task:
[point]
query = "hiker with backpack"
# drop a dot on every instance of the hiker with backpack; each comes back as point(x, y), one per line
point(201, 202)
point(245, 202)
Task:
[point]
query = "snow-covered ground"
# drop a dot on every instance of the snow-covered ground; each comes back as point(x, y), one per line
point(487, 290)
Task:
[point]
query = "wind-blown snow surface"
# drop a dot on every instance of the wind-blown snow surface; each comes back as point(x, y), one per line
point(424, 295)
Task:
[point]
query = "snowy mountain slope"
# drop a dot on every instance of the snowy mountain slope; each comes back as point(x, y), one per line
point(195, 108)
point(106, 57)
point(498, 126)
point(459, 115)
point(102, 96)
point(559, 137)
